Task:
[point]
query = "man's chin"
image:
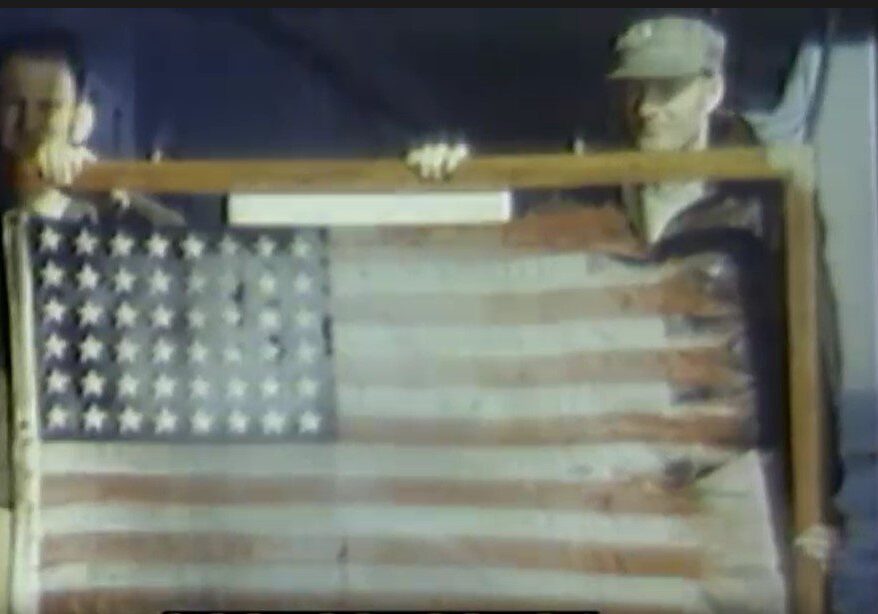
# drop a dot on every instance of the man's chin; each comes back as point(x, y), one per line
point(656, 144)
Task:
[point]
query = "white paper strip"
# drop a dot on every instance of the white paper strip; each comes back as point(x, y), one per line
point(369, 209)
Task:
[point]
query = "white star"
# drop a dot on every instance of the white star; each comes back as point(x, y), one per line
point(305, 318)
point(273, 422)
point(128, 385)
point(267, 283)
point(58, 417)
point(162, 351)
point(161, 317)
point(197, 352)
point(130, 420)
point(53, 311)
point(301, 247)
point(232, 315)
point(52, 274)
point(270, 387)
point(228, 247)
point(238, 422)
point(306, 352)
point(307, 387)
point(124, 280)
point(94, 418)
point(50, 240)
point(303, 283)
point(193, 247)
point(270, 352)
point(159, 282)
point(90, 313)
point(166, 422)
point(232, 355)
point(309, 422)
point(200, 388)
point(265, 246)
point(237, 388)
point(88, 277)
point(58, 381)
point(201, 422)
point(126, 350)
point(86, 243)
point(164, 386)
point(55, 346)
point(92, 384)
point(197, 282)
point(157, 245)
point(90, 349)
point(196, 318)
point(269, 319)
point(125, 315)
point(121, 244)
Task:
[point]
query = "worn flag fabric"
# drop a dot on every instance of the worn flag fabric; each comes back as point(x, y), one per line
point(489, 417)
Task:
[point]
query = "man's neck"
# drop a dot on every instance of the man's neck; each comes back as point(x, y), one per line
point(659, 203)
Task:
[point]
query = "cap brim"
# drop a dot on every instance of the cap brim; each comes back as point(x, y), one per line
point(657, 65)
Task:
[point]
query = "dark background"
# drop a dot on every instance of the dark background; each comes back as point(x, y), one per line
point(309, 82)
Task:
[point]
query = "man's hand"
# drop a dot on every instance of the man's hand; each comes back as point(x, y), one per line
point(436, 161)
point(821, 542)
point(60, 162)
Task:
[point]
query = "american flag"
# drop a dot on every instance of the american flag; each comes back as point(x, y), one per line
point(473, 417)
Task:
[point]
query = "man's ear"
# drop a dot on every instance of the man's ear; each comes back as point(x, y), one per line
point(83, 122)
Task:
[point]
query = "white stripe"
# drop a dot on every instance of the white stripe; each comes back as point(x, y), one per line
point(477, 401)
point(521, 275)
point(574, 463)
point(365, 340)
point(528, 585)
point(378, 249)
point(363, 521)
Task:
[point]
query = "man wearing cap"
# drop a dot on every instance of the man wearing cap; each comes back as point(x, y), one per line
point(668, 73)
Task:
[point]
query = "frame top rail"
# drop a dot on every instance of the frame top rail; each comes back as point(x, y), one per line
point(389, 174)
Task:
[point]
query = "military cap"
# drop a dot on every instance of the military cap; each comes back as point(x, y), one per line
point(668, 47)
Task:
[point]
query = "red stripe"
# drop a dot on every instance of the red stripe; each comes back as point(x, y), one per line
point(675, 296)
point(547, 430)
point(140, 601)
point(632, 496)
point(472, 552)
point(687, 367)
point(571, 226)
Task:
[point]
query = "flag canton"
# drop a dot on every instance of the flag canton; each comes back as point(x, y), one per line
point(179, 334)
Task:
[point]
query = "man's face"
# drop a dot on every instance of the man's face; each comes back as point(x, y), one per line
point(37, 102)
point(668, 114)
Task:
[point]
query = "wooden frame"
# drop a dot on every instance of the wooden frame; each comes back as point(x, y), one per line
point(793, 167)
